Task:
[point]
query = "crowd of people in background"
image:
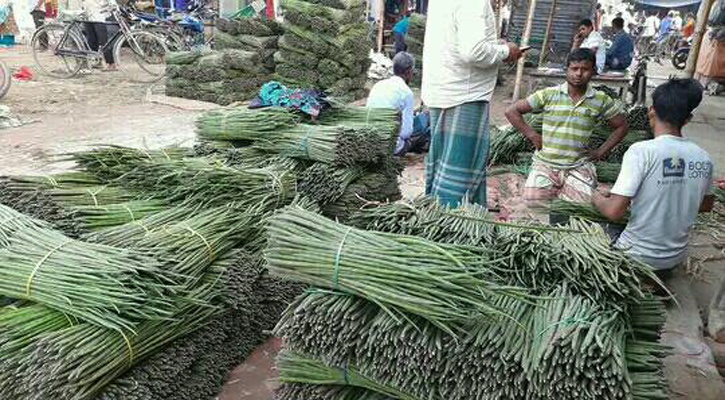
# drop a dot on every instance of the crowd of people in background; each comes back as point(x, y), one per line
point(616, 35)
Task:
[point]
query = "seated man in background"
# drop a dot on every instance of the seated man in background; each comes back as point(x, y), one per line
point(619, 56)
point(664, 179)
point(395, 93)
point(562, 165)
point(588, 38)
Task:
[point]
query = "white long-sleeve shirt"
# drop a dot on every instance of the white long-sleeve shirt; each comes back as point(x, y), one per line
point(395, 93)
point(461, 53)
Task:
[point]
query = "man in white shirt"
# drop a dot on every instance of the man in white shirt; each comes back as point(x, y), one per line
point(395, 93)
point(664, 180)
point(651, 27)
point(461, 57)
point(588, 38)
point(677, 21)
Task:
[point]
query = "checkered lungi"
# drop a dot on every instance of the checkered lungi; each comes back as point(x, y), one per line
point(456, 163)
point(574, 184)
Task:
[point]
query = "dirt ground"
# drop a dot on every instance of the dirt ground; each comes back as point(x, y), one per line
point(67, 115)
point(104, 108)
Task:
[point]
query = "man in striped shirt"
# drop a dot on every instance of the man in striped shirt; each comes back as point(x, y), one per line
point(563, 166)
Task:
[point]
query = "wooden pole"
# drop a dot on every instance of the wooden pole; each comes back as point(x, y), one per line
point(547, 35)
point(524, 42)
point(497, 4)
point(700, 28)
point(381, 24)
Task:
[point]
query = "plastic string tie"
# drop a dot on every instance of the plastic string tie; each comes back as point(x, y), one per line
point(304, 142)
point(70, 321)
point(224, 122)
point(345, 375)
point(128, 345)
point(206, 242)
point(39, 264)
point(336, 266)
point(93, 196)
point(52, 181)
point(139, 223)
point(133, 219)
point(277, 186)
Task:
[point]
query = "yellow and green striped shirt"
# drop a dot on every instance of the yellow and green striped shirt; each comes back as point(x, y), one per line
point(568, 126)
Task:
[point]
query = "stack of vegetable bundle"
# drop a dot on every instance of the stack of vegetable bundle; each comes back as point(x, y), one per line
point(196, 366)
point(242, 62)
point(344, 158)
point(325, 46)
point(415, 40)
point(81, 201)
point(588, 331)
point(165, 277)
point(221, 77)
point(120, 303)
point(567, 348)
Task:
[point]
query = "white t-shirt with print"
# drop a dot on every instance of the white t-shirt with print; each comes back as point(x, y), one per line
point(666, 178)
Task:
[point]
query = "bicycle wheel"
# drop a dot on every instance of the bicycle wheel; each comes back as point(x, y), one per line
point(141, 56)
point(679, 60)
point(47, 42)
point(5, 79)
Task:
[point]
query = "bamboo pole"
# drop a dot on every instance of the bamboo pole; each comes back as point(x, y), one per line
point(547, 35)
point(381, 24)
point(497, 4)
point(700, 28)
point(524, 42)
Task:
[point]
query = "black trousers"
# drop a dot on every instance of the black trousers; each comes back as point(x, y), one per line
point(399, 44)
point(97, 34)
point(39, 21)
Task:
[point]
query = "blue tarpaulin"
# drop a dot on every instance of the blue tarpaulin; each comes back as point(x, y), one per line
point(668, 3)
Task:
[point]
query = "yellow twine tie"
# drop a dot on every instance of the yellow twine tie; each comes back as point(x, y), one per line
point(130, 213)
point(68, 318)
point(208, 246)
point(53, 182)
point(93, 196)
point(128, 345)
point(39, 264)
point(139, 223)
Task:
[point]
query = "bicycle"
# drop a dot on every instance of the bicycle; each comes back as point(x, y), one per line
point(5, 79)
point(181, 31)
point(61, 49)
